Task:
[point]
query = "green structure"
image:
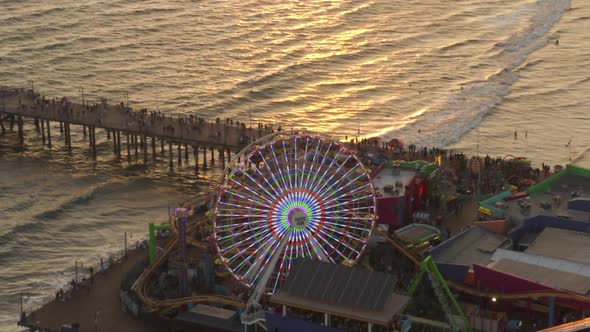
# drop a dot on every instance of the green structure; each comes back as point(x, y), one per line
point(446, 299)
point(488, 206)
point(153, 241)
point(424, 168)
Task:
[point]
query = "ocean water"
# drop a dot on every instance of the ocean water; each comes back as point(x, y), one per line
point(459, 74)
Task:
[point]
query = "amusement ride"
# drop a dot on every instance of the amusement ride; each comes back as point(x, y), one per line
point(291, 195)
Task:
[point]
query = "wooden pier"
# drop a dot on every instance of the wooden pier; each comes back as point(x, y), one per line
point(142, 130)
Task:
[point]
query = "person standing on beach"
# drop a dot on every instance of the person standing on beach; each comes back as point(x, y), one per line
point(515, 135)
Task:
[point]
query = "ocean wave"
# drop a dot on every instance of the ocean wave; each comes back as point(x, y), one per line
point(47, 11)
point(458, 44)
point(448, 120)
point(582, 18)
point(584, 80)
point(583, 158)
point(43, 221)
point(79, 198)
point(19, 206)
point(53, 46)
point(21, 36)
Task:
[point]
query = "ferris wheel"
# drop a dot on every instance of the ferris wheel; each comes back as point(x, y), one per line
point(291, 195)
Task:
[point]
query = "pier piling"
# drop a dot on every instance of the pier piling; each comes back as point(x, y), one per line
point(43, 132)
point(128, 149)
point(170, 152)
point(66, 135)
point(204, 157)
point(196, 152)
point(114, 143)
point(21, 135)
point(48, 134)
point(153, 148)
point(145, 150)
point(118, 144)
point(179, 155)
point(94, 142)
point(223, 157)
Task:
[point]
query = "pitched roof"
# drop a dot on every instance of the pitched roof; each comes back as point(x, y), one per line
point(340, 290)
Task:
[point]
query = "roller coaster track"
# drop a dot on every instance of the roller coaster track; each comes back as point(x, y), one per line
point(578, 325)
point(518, 296)
point(395, 242)
point(171, 304)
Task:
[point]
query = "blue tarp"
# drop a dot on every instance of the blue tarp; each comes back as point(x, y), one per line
point(579, 204)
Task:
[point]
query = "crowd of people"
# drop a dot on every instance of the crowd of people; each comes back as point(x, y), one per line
point(181, 126)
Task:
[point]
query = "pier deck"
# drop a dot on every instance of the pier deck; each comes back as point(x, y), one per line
point(102, 296)
point(180, 135)
point(120, 118)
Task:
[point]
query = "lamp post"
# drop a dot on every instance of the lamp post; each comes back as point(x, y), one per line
point(81, 90)
point(126, 95)
point(358, 120)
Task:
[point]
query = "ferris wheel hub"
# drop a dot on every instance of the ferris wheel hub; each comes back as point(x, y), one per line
point(298, 217)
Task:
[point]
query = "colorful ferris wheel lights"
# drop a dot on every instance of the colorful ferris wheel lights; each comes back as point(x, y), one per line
point(291, 196)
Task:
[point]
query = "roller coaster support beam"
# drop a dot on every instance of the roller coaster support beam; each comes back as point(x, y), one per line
point(152, 238)
point(444, 295)
point(551, 312)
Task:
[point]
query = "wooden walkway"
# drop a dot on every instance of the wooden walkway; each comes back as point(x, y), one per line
point(137, 127)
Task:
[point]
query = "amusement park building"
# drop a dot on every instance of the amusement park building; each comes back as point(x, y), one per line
point(401, 187)
point(335, 291)
point(547, 249)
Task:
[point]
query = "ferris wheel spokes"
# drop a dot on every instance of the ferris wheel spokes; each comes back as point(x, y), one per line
point(291, 196)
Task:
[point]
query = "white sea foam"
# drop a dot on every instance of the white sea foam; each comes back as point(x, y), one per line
point(455, 115)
